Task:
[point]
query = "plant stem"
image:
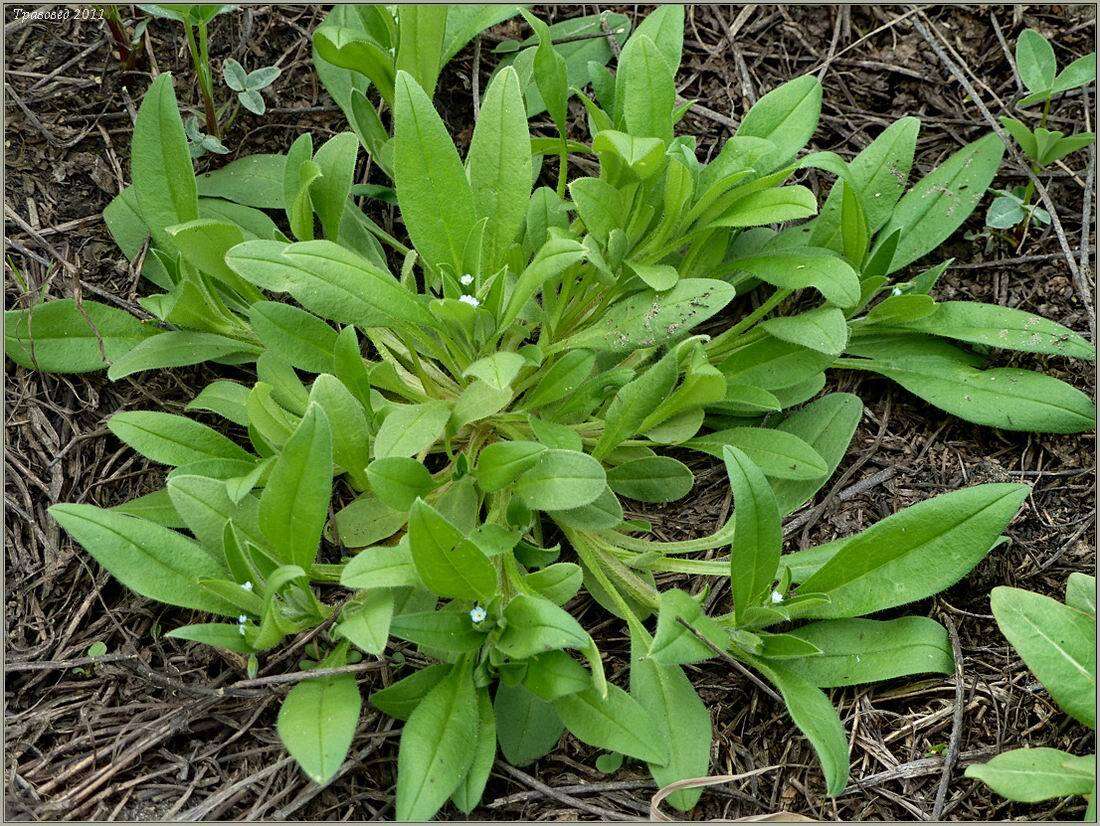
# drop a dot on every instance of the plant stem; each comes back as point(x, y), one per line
point(721, 344)
point(563, 165)
point(1029, 192)
point(200, 56)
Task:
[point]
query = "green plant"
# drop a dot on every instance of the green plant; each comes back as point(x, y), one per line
point(1058, 643)
point(248, 85)
point(1038, 71)
point(531, 365)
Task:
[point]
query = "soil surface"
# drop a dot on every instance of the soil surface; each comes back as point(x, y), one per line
point(144, 733)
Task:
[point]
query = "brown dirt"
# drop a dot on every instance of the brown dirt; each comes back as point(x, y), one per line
point(142, 735)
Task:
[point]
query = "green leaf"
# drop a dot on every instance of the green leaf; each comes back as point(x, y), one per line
point(317, 723)
point(155, 507)
point(469, 791)
point(329, 193)
point(618, 723)
point(634, 401)
point(645, 89)
point(1058, 644)
point(176, 348)
point(348, 421)
point(398, 481)
point(1080, 72)
point(350, 49)
point(675, 644)
point(949, 378)
point(787, 116)
point(63, 337)
point(438, 745)
point(294, 504)
point(757, 536)
point(437, 202)
point(815, 716)
point(938, 204)
point(172, 440)
point(253, 180)
point(649, 318)
point(499, 162)
point(560, 480)
point(402, 697)
point(823, 329)
point(330, 281)
point(446, 564)
point(805, 267)
point(1031, 775)
point(780, 455)
point(561, 379)
point(559, 582)
point(447, 631)
point(652, 479)
point(915, 553)
point(299, 338)
point(148, 559)
point(1002, 327)
point(528, 727)
point(411, 429)
point(856, 651)
point(222, 635)
point(465, 22)
point(1081, 592)
point(769, 206)
point(666, 693)
point(534, 626)
point(420, 29)
point(365, 621)
point(160, 163)
point(384, 566)
point(501, 463)
point(1035, 61)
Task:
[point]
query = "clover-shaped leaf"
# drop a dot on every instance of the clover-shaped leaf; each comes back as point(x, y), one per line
point(247, 85)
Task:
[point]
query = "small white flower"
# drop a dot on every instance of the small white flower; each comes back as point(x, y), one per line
point(477, 614)
point(895, 291)
point(241, 620)
point(777, 597)
point(469, 299)
point(247, 586)
point(466, 280)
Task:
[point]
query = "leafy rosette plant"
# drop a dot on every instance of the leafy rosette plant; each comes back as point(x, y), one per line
point(1057, 641)
point(452, 445)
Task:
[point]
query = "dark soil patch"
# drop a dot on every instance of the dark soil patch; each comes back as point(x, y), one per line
point(143, 737)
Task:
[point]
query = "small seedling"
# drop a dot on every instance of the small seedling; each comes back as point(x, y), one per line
point(248, 85)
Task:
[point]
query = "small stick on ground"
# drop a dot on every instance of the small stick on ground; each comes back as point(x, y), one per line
point(952, 755)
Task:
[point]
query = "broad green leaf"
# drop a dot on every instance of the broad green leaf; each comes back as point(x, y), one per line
point(769, 206)
point(902, 310)
point(1002, 327)
point(477, 401)
point(528, 727)
point(856, 651)
point(1058, 644)
point(465, 22)
point(299, 338)
point(798, 269)
point(330, 281)
point(535, 626)
point(499, 162)
point(1035, 61)
point(555, 674)
point(674, 707)
point(329, 193)
point(618, 723)
point(603, 513)
point(446, 564)
point(384, 566)
point(451, 632)
point(560, 480)
point(176, 348)
point(411, 429)
point(649, 318)
point(216, 634)
point(317, 723)
point(815, 716)
point(365, 521)
point(469, 791)
point(915, 553)
point(551, 260)
point(155, 507)
point(172, 440)
point(949, 378)
point(676, 644)
point(253, 180)
point(780, 455)
point(634, 401)
point(1031, 775)
point(559, 582)
point(823, 329)
point(294, 504)
point(645, 88)
point(348, 421)
point(1081, 592)
point(1080, 72)
point(350, 49)
point(498, 370)
point(421, 29)
point(63, 337)
point(560, 380)
point(365, 621)
point(148, 559)
point(500, 463)
point(438, 745)
point(398, 481)
point(938, 204)
point(787, 116)
point(399, 699)
point(652, 479)
point(160, 163)
point(757, 535)
point(437, 202)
